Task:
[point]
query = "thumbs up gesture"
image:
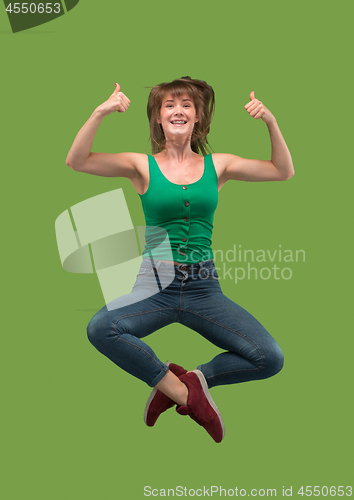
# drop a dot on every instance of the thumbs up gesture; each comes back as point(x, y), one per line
point(257, 110)
point(116, 102)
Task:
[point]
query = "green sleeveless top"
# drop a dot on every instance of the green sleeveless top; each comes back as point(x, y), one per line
point(183, 212)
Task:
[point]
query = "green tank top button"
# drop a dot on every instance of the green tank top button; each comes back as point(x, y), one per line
point(186, 219)
point(184, 240)
point(184, 187)
point(187, 203)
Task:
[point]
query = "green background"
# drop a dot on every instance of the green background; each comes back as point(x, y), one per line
point(72, 422)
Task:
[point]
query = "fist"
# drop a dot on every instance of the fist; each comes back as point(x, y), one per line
point(257, 110)
point(117, 102)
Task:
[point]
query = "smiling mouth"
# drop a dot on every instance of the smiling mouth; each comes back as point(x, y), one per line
point(178, 124)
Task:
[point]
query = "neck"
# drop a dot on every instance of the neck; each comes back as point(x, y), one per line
point(177, 150)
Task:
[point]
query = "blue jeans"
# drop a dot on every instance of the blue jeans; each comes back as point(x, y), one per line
point(193, 298)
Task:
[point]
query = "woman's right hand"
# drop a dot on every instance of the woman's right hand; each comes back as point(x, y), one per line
point(81, 158)
point(117, 102)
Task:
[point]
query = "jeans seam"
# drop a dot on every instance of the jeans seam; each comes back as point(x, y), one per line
point(136, 314)
point(141, 312)
point(180, 309)
point(135, 347)
point(141, 350)
point(234, 371)
point(237, 333)
point(118, 337)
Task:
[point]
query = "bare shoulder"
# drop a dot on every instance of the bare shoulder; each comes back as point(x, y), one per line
point(134, 164)
point(139, 161)
point(232, 167)
point(221, 162)
point(224, 159)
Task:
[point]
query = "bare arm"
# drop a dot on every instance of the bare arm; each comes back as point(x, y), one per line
point(81, 158)
point(281, 157)
point(279, 168)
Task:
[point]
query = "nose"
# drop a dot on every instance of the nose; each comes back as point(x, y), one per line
point(178, 109)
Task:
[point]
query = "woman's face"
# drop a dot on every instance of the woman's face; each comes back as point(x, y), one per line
point(177, 115)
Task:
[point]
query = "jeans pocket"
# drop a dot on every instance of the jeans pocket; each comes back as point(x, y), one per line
point(148, 269)
point(145, 272)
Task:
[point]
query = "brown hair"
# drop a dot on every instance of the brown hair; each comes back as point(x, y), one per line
point(203, 98)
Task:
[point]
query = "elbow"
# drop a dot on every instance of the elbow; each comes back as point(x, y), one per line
point(291, 174)
point(284, 172)
point(288, 176)
point(70, 164)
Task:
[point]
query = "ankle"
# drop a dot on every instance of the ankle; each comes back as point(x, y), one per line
point(182, 395)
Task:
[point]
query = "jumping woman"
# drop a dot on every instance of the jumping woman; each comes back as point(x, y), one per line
point(178, 186)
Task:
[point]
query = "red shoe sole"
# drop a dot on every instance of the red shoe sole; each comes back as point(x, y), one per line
point(205, 388)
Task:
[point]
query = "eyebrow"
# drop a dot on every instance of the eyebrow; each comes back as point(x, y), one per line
point(172, 100)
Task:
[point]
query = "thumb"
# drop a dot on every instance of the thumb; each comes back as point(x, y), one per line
point(117, 89)
point(252, 95)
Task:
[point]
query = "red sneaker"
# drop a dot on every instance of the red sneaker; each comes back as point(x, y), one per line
point(200, 405)
point(158, 402)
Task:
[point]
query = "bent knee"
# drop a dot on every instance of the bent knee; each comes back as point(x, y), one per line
point(98, 329)
point(274, 361)
point(93, 331)
point(102, 329)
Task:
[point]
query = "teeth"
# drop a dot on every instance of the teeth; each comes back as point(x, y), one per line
point(178, 121)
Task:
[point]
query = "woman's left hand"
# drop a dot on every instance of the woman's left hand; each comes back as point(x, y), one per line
point(257, 110)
